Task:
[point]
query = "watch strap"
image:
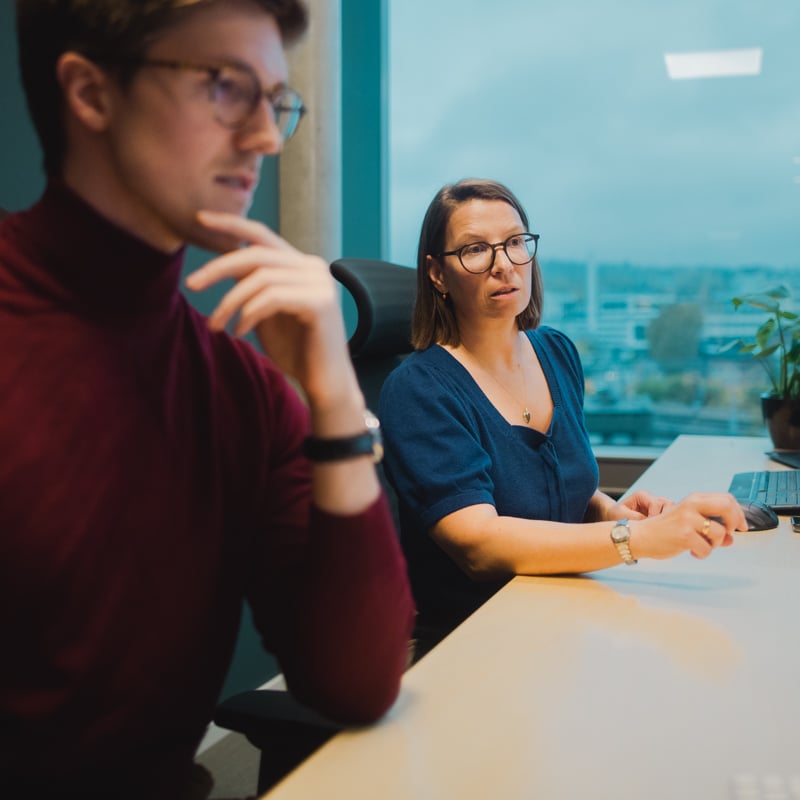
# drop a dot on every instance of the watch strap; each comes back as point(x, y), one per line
point(368, 443)
point(317, 449)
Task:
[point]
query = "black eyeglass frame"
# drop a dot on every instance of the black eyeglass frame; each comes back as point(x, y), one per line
point(534, 237)
point(274, 96)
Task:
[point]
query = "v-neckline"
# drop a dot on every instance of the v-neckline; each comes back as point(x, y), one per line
point(547, 371)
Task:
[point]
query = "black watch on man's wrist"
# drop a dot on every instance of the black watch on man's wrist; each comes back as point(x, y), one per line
point(368, 443)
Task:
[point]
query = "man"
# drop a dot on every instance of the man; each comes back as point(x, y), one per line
point(156, 470)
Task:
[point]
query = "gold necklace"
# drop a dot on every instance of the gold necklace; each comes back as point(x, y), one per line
point(526, 414)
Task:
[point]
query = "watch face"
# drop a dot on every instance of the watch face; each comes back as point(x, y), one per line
point(620, 533)
point(371, 421)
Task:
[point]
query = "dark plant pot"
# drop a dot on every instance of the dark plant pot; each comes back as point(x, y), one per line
point(782, 416)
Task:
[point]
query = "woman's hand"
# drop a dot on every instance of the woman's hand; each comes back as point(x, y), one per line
point(699, 524)
point(639, 505)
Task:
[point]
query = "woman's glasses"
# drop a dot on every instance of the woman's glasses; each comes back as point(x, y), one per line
point(478, 257)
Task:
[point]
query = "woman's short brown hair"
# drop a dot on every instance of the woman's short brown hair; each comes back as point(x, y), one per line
point(434, 321)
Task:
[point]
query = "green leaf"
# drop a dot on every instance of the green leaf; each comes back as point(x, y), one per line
point(778, 293)
point(776, 342)
point(766, 352)
point(764, 332)
point(763, 302)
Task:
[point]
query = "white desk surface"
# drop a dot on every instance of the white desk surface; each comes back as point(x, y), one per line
point(673, 679)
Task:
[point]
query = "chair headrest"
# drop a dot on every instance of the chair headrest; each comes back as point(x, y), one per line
point(384, 295)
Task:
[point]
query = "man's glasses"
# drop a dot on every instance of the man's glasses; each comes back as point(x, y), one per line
point(235, 92)
point(478, 257)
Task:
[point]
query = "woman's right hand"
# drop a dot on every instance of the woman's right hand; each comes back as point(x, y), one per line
point(699, 523)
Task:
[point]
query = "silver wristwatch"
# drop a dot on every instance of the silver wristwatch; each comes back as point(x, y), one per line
point(621, 536)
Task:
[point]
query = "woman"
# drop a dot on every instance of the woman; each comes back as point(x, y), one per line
point(486, 443)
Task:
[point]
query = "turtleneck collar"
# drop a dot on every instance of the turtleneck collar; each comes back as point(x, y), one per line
point(83, 259)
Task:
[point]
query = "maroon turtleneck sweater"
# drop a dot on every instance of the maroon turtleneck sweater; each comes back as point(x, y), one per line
point(150, 480)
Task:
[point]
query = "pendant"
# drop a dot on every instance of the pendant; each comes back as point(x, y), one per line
point(526, 415)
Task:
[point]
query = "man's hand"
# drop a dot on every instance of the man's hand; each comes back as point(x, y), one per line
point(288, 298)
point(291, 301)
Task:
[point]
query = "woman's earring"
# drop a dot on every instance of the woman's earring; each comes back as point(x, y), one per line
point(444, 295)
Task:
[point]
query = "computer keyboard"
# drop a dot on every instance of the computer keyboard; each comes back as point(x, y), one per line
point(778, 489)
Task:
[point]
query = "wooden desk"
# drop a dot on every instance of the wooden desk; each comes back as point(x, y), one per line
point(677, 680)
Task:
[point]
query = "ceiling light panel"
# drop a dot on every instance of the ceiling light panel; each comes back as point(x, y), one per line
point(713, 63)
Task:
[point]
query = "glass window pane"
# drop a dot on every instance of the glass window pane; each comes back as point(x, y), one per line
point(657, 198)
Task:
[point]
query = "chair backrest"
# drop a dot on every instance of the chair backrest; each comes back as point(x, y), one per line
point(384, 297)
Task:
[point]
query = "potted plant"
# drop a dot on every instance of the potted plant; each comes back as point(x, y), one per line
point(776, 344)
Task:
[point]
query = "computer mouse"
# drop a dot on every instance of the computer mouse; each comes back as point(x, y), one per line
point(759, 517)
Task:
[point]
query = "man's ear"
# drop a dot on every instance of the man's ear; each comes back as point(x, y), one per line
point(435, 273)
point(86, 90)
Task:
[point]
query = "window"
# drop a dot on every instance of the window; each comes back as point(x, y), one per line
point(656, 148)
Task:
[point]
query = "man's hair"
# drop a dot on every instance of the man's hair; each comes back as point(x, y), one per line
point(434, 320)
point(114, 32)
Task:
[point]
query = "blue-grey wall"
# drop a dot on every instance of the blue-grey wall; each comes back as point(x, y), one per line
point(364, 129)
point(21, 178)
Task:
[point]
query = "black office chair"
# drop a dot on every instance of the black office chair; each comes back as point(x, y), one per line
point(384, 297)
point(285, 731)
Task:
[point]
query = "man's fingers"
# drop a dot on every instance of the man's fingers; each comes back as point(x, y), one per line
point(260, 247)
point(264, 305)
point(233, 300)
point(247, 230)
point(240, 263)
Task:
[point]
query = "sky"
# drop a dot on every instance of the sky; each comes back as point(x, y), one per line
point(571, 106)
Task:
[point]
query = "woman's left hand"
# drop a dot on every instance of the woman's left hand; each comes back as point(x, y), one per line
point(640, 505)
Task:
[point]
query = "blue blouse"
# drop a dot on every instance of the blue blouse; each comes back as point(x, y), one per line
point(448, 447)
